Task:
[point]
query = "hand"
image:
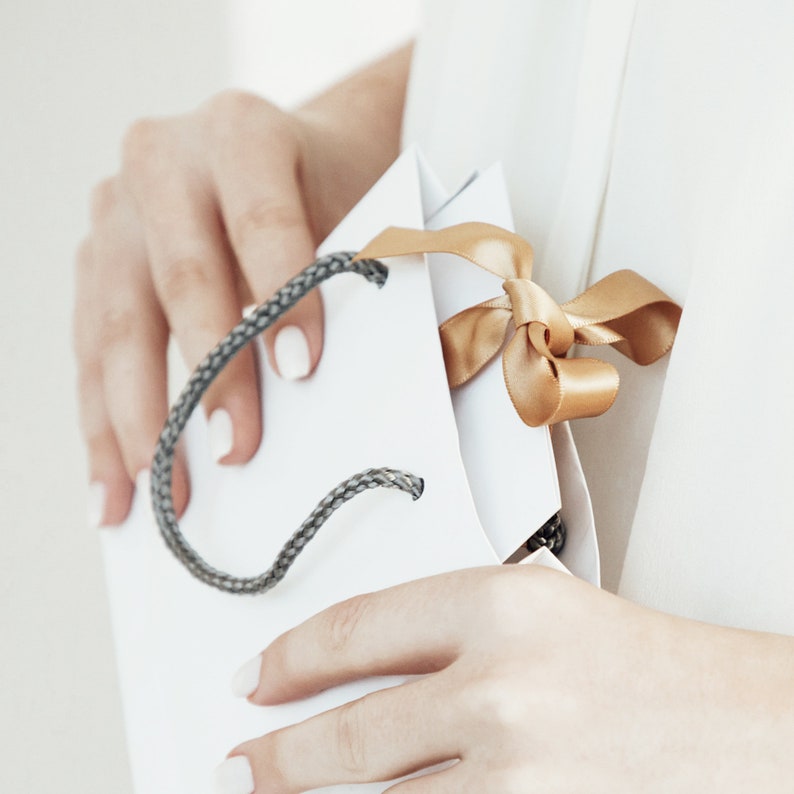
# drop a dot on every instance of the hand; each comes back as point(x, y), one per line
point(213, 211)
point(536, 682)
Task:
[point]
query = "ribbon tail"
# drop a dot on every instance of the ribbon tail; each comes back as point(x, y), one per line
point(493, 249)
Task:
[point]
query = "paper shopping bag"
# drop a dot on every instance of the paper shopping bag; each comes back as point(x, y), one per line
point(378, 397)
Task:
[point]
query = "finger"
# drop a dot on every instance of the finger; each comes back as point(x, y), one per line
point(110, 489)
point(131, 336)
point(262, 206)
point(381, 736)
point(194, 278)
point(408, 629)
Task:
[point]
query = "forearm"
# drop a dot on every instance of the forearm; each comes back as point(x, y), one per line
point(355, 129)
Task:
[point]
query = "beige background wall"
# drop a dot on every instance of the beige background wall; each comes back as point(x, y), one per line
point(73, 75)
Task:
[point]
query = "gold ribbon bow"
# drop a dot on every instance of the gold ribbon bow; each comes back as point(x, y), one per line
point(623, 310)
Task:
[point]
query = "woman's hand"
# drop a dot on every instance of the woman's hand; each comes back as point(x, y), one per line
point(536, 682)
point(213, 211)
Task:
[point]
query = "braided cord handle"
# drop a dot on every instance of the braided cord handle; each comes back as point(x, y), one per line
point(162, 465)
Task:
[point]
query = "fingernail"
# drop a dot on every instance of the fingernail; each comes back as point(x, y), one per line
point(246, 680)
point(143, 489)
point(143, 482)
point(292, 353)
point(234, 776)
point(221, 433)
point(96, 504)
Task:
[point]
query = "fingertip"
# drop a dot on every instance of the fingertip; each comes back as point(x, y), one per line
point(95, 504)
point(295, 343)
point(109, 502)
point(235, 428)
point(245, 681)
point(220, 432)
point(291, 354)
point(234, 776)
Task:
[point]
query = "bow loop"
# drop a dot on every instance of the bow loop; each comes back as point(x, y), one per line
point(471, 338)
point(623, 310)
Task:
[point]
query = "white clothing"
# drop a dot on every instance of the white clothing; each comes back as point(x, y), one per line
point(656, 135)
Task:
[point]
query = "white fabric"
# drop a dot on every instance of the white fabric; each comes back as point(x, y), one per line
point(657, 135)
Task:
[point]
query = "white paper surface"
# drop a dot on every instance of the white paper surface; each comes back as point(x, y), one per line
point(510, 466)
point(378, 398)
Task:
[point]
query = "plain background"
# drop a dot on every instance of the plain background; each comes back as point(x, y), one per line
point(73, 76)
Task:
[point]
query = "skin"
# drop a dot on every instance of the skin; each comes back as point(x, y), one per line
point(536, 682)
point(213, 211)
point(533, 681)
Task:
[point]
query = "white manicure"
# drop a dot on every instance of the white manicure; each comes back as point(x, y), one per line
point(143, 490)
point(246, 680)
point(234, 776)
point(292, 353)
point(143, 482)
point(221, 433)
point(96, 504)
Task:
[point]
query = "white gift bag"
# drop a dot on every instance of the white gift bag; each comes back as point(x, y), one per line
point(379, 397)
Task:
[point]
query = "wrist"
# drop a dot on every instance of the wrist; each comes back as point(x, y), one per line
point(348, 136)
point(745, 684)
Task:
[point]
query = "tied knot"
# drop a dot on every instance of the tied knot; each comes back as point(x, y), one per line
point(623, 310)
point(540, 316)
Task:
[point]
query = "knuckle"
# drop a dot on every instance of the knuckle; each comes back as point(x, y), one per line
point(231, 109)
point(344, 621)
point(139, 137)
point(118, 325)
point(486, 696)
point(505, 596)
point(264, 215)
point(233, 102)
point(237, 118)
point(180, 279)
point(142, 144)
point(104, 199)
point(491, 698)
point(350, 739)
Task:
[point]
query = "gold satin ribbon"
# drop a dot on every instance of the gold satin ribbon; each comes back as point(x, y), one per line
point(623, 310)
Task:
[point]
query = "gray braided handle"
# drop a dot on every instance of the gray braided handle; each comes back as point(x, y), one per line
point(199, 382)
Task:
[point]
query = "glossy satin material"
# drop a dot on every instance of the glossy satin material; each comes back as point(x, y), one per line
point(623, 310)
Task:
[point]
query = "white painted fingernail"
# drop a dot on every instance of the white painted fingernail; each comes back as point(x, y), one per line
point(246, 680)
point(143, 482)
point(221, 433)
point(292, 353)
point(143, 490)
point(234, 776)
point(97, 493)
